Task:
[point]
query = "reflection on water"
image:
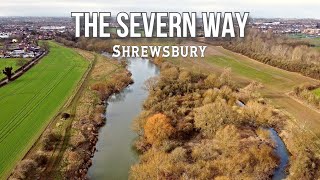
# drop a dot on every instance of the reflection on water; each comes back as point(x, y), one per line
point(115, 154)
point(282, 153)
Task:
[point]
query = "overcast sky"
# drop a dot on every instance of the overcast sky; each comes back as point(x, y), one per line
point(257, 8)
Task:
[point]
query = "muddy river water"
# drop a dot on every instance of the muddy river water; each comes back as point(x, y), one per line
point(115, 153)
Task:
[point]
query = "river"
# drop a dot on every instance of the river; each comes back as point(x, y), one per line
point(115, 153)
point(282, 153)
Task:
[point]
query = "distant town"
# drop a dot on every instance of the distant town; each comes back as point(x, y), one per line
point(19, 35)
point(308, 27)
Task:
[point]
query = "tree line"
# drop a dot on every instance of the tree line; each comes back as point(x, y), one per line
point(282, 52)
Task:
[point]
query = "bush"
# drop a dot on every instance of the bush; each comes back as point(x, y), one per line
point(41, 159)
point(50, 139)
point(65, 115)
point(256, 114)
point(27, 169)
point(210, 117)
point(211, 81)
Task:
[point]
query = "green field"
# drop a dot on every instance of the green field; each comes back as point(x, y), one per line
point(244, 69)
point(313, 41)
point(10, 62)
point(317, 92)
point(30, 102)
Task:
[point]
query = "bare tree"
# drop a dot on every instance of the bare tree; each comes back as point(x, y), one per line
point(8, 72)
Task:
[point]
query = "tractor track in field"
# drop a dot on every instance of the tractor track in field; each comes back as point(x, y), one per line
point(7, 132)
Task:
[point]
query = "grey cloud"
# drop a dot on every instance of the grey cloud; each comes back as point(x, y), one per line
point(268, 8)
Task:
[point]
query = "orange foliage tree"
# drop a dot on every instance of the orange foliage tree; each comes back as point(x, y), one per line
point(158, 128)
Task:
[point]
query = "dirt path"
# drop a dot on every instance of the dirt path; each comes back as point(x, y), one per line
point(277, 82)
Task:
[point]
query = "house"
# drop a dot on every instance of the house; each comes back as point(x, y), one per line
point(17, 53)
point(4, 35)
point(28, 55)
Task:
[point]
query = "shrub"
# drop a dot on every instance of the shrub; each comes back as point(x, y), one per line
point(27, 169)
point(210, 117)
point(210, 81)
point(256, 114)
point(49, 140)
point(171, 73)
point(185, 76)
point(158, 60)
point(228, 139)
point(41, 159)
point(224, 79)
point(65, 115)
point(249, 92)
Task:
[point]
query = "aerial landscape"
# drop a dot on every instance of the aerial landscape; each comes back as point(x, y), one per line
point(159, 102)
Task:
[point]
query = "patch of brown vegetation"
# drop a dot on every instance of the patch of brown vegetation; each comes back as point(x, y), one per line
point(212, 137)
point(107, 77)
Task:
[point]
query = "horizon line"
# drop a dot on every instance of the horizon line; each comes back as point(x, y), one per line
point(31, 16)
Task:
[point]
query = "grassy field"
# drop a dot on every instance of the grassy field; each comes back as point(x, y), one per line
point(313, 41)
point(30, 102)
point(277, 83)
point(11, 62)
point(317, 92)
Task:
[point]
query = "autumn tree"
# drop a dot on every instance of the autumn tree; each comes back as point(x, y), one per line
point(158, 128)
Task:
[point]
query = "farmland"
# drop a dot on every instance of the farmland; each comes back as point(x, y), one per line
point(30, 102)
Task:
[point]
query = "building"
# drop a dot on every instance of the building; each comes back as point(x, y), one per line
point(312, 31)
point(52, 28)
point(4, 35)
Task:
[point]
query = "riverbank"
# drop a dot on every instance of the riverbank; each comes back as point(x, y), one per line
point(107, 77)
